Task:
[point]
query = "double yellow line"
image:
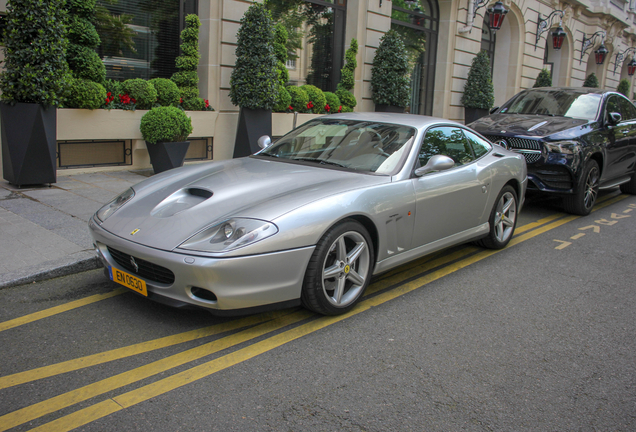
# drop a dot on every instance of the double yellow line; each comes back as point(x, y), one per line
point(386, 288)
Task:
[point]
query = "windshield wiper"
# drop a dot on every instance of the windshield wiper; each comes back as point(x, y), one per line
point(320, 161)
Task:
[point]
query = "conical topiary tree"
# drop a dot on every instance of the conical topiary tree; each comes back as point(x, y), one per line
point(254, 81)
point(283, 99)
point(479, 91)
point(35, 63)
point(187, 79)
point(390, 82)
point(544, 79)
point(81, 56)
point(623, 87)
point(347, 79)
point(591, 81)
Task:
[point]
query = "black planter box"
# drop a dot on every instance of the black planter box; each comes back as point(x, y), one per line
point(252, 124)
point(167, 155)
point(28, 144)
point(389, 108)
point(472, 114)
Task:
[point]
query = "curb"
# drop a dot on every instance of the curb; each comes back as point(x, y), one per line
point(76, 263)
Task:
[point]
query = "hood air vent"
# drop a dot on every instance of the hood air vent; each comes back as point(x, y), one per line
point(179, 201)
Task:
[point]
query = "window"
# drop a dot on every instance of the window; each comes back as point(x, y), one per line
point(480, 146)
point(447, 141)
point(316, 30)
point(141, 38)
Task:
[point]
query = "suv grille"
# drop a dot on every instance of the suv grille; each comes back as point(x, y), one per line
point(521, 144)
point(146, 270)
point(555, 177)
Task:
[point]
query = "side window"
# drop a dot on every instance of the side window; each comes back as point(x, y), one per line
point(628, 112)
point(612, 106)
point(480, 146)
point(448, 141)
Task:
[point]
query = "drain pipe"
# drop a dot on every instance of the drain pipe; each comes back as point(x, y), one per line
point(470, 17)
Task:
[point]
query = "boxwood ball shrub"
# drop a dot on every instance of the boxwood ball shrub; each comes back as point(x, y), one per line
point(165, 124)
point(478, 90)
point(142, 91)
point(283, 100)
point(254, 80)
point(167, 91)
point(85, 94)
point(35, 68)
point(390, 80)
point(299, 98)
point(316, 97)
point(333, 101)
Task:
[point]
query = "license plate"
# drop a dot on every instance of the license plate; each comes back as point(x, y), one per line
point(128, 280)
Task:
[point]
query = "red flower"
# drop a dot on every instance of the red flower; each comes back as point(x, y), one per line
point(133, 100)
point(125, 99)
point(108, 95)
point(340, 109)
point(207, 103)
point(310, 105)
point(327, 108)
point(180, 100)
point(291, 108)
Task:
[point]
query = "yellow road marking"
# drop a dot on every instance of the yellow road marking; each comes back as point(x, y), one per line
point(596, 228)
point(131, 350)
point(56, 403)
point(180, 379)
point(59, 309)
point(563, 244)
point(577, 236)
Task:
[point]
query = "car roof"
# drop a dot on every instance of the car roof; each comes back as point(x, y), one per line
point(413, 120)
point(586, 90)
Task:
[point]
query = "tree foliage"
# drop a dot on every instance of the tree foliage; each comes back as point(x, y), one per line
point(478, 90)
point(35, 42)
point(390, 80)
point(623, 87)
point(81, 56)
point(544, 79)
point(591, 81)
point(347, 80)
point(187, 79)
point(254, 80)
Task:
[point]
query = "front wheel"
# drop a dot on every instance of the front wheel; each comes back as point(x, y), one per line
point(583, 199)
point(339, 270)
point(503, 220)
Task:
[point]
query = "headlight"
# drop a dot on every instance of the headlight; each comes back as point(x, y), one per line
point(230, 235)
point(110, 208)
point(564, 147)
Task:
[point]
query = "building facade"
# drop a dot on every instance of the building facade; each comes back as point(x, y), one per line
point(442, 38)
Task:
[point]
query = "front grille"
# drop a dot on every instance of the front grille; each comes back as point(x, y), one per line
point(555, 177)
point(147, 270)
point(519, 145)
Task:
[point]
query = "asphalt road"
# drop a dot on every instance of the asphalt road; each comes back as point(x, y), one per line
point(539, 336)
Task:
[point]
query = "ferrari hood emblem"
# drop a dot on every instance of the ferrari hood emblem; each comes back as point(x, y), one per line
point(135, 231)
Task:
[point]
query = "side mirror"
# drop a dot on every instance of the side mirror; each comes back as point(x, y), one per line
point(436, 163)
point(264, 141)
point(615, 118)
point(492, 110)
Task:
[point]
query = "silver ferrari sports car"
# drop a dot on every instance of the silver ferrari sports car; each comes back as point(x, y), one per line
point(311, 218)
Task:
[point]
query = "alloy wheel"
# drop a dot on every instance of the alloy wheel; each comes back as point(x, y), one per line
point(505, 217)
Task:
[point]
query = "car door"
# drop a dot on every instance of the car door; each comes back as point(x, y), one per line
point(453, 200)
point(622, 138)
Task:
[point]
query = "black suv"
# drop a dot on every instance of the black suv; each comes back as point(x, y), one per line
point(575, 141)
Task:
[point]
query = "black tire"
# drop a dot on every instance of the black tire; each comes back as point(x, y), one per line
point(502, 220)
point(584, 196)
point(346, 252)
point(630, 186)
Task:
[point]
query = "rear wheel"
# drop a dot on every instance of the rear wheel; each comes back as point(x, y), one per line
point(583, 199)
point(339, 270)
point(503, 219)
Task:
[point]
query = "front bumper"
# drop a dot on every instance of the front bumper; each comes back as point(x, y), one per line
point(235, 283)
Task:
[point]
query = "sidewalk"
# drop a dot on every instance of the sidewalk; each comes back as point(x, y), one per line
point(44, 230)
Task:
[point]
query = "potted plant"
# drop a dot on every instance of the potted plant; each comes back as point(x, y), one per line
point(479, 93)
point(254, 81)
point(591, 81)
point(390, 82)
point(623, 87)
point(544, 79)
point(33, 84)
point(187, 78)
point(166, 130)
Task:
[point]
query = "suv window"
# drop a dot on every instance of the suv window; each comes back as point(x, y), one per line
point(628, 111)
point(448, 141)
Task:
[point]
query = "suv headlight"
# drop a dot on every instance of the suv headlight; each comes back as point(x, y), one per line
point(110, 208)
point(563, 147)
point(230, 235)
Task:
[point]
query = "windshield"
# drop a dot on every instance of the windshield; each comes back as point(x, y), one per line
point(566, 103)
point(361, 146)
